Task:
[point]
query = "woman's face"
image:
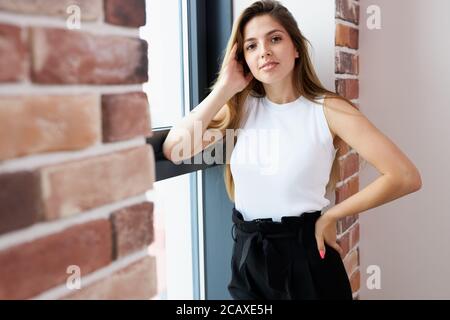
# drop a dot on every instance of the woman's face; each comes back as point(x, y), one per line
point(263, 44)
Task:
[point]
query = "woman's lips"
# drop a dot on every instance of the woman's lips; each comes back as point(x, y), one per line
point(270, 66)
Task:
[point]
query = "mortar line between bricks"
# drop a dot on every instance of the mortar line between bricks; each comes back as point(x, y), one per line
point(27, 87)
point(45, 228)
point(346, 23)
point(348, 230)
point(345, 76)
point(355, 248)
point(358, 268)
point(62, 290)
point(341, 183)
point(346, 50)
point(93, 27)
point(348, 154)
point(37, 160)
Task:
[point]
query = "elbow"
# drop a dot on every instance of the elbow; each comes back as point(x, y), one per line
point(413, 181)
point(176, 151)
point(166, 150)
point(418, 182)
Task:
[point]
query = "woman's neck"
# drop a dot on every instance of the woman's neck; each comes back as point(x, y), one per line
point(280, 93)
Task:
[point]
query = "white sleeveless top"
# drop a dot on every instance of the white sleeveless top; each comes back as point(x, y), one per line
point(282, 159)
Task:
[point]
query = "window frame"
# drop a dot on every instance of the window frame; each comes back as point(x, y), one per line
point(205, 50)
point(209, 206)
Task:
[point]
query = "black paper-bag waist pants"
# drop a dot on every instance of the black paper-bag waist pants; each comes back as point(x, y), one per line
point(280, 260)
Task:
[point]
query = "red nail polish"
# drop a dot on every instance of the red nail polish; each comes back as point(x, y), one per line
point(322, 254)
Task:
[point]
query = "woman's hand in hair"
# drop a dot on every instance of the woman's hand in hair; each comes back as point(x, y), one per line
point(232, 78)
point(325, 232)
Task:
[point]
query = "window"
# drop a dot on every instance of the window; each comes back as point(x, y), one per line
point(186, 39)
point(171, 197)
point(164, 89)
point(172, 244)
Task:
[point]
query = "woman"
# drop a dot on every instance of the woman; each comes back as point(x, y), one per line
point(285, 244)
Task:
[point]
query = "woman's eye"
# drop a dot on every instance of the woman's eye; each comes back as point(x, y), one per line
point(250, 47)
point(279, 38)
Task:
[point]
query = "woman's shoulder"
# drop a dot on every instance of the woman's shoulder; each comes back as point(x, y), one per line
point(251, 100)
point(250, 103)
point(334, 107)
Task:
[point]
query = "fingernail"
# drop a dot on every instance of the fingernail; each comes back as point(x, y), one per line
point(322, 254)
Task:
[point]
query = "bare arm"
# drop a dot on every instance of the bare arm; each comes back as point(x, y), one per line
point(187, 135)
point(212, 107)
point(399, 176)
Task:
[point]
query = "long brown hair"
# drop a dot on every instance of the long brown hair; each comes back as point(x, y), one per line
point(305, 80)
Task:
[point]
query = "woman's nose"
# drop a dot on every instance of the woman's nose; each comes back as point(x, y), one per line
point(265, 51)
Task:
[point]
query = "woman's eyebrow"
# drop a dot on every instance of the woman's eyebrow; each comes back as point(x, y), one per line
point(267, 34)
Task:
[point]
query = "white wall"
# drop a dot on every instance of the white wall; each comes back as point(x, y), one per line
point(405, 80)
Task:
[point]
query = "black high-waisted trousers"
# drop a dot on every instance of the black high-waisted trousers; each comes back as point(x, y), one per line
point(280, 260)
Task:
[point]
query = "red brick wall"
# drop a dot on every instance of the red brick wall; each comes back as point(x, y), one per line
point(347, 85)
point(74, 166)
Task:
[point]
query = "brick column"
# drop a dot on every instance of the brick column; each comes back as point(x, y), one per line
point(74, 165)
point(347, 85)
